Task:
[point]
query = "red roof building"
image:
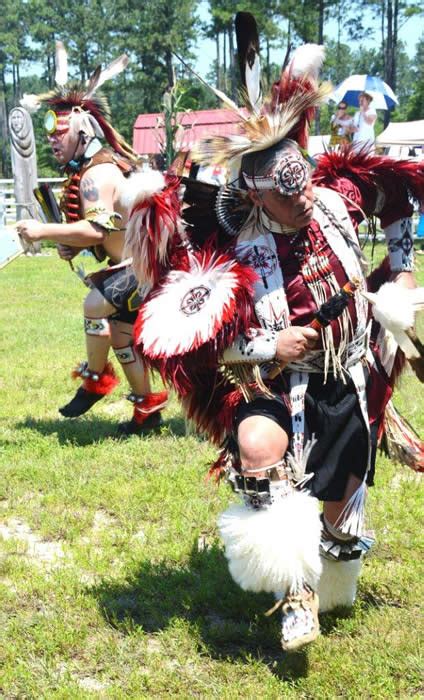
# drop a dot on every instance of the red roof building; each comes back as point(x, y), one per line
point(147, 135)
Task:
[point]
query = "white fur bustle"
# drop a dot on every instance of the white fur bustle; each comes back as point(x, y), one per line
point(307, 61)
point(140, 186)
point(30, 102)
point(276, 548)
point(337, 586)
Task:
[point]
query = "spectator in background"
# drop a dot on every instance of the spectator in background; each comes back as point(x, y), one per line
point(363, 122)
point(340, 125)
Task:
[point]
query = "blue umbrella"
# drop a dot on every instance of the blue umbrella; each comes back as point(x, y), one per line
point(349, 90)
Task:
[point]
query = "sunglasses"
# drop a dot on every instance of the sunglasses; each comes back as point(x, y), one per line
point(56, 122)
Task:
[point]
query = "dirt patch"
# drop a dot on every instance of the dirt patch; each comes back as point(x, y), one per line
point(102, 520)
point(117, 408)
point(406, 476)
point(43, 552)
point(92, 684)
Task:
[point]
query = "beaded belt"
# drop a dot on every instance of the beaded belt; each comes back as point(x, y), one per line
point(315, 360)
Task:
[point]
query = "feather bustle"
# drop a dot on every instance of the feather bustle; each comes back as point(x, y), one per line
point(152, 225)
point(370, 171)
point(195, 374)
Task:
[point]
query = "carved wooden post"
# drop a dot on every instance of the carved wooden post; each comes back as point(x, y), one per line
point(24, 167)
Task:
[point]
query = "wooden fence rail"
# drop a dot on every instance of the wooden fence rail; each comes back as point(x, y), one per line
point(7, 197)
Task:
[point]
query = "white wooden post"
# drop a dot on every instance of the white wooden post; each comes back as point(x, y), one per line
point(24, 167)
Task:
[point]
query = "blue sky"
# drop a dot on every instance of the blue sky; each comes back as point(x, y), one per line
point(409, 33)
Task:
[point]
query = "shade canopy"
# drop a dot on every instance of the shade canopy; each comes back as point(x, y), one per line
point(402, 134)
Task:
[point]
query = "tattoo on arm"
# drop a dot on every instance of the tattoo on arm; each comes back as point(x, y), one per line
point(89, 190)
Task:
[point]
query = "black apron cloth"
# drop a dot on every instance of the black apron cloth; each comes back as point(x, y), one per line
point(333, 415)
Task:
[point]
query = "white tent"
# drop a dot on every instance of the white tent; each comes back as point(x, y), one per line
point(318, 144)
point(402, 134)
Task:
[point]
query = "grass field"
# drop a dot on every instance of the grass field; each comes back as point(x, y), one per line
point(105, 591)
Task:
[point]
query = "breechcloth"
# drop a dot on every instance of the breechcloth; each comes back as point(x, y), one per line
point(118, 285)
point(333, 416)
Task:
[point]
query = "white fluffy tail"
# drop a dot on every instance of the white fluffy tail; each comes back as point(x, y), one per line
point(139, 186)
point(337, 586)
point(276, 548)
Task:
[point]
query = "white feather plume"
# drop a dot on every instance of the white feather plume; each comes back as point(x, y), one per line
point(253, 84)
point(141, 185)
point(395, 307)
point(273, 549)
point(61, 76)
point(30, 102)
point(307, 61)
point(114, 68)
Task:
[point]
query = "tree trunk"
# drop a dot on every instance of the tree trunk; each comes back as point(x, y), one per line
point(339, 31)
point(169, 68)
point(18, 81)
point(268, 60)
point(224, 51)
point(49, 70)
point(232, 64)
point(321, 8)
point(218, 62)
point(388, 57)
point(5, 165)
point(383, 34)
point(393, 84)
point(14, 81)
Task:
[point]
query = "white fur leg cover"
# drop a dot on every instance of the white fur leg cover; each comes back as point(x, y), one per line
point(337, 586)
point(274, 548)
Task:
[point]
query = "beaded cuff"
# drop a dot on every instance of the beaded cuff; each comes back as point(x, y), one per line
point(260, 346)
point(108, 220)
point(400, 245)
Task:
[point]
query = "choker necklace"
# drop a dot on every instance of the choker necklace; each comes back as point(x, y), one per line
point(275, 226)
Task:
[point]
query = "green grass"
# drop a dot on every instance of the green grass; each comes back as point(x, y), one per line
point(103, 590)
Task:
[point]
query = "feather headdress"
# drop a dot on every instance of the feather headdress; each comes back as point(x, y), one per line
point(88, 108)
point(284, 114)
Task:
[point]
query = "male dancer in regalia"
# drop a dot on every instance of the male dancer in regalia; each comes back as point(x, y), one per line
point(94, 205)
point(291, 376)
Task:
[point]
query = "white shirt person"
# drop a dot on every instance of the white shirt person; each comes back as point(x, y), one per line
point(363, 122)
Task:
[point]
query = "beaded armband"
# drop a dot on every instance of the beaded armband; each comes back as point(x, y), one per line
point(400, 245)
point(259, 346)
point(106, 219)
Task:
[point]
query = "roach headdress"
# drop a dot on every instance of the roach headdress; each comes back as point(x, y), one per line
point(277, 124)
point(79, 106)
